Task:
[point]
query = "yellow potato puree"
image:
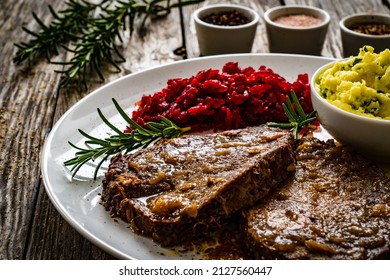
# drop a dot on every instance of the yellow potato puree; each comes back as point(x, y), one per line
point(359, 84)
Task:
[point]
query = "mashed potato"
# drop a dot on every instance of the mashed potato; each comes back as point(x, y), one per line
point(360, 84)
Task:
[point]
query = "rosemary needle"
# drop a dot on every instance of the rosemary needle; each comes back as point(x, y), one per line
point(139, 137)
point(298, 118)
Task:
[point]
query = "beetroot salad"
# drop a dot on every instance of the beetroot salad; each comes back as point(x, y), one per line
point(219, 100)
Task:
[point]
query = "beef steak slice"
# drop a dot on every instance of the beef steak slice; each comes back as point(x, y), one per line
point(336, 206)
point(185, 187)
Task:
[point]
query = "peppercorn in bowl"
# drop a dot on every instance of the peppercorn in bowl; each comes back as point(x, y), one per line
point(225, 28)
point(352, 99)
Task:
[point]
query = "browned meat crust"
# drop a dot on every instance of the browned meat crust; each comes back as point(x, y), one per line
point(336, 206)
point(183, 188)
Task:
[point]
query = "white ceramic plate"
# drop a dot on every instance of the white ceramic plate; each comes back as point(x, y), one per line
point(78, 200)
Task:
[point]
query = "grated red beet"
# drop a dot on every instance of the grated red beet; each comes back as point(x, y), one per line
point(219, 100)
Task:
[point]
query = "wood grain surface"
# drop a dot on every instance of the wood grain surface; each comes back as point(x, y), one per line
point(31, 101)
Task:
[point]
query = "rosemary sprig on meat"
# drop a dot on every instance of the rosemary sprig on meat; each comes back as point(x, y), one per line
point(139, 137)
point(297, 117)
point(90, 32)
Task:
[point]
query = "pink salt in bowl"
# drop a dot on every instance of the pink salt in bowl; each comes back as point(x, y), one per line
point(296, 29)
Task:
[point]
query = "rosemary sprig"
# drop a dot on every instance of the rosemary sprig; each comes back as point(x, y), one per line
point(298, 118)
point(92, 32)
point(64, 27)
point(139, 137)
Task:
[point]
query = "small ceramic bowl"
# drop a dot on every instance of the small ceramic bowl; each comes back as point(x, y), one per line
point(302, 39)
point(371, 137)
point(353, 40)
point(216, 39)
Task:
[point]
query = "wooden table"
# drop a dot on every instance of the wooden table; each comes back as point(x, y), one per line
point(31, 101)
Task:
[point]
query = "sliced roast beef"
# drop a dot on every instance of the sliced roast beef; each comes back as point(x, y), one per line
point(186, 187)
point(336, 206)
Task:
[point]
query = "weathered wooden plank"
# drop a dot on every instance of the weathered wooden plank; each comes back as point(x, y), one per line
point(27, 98)
point(49, 230)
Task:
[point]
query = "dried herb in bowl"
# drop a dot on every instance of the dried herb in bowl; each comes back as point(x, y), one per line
point(371, 28)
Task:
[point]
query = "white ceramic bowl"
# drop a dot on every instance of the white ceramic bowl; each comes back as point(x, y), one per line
point(299, 40)
point(217, 39)
point(353, 40)
point(371, 137)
